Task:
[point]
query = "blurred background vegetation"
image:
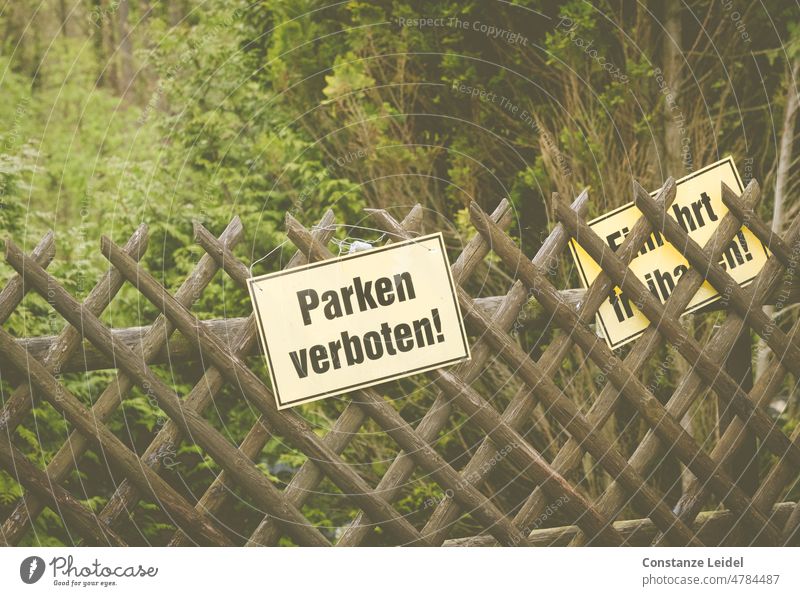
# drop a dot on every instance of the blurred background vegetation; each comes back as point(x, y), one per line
point(116, 112)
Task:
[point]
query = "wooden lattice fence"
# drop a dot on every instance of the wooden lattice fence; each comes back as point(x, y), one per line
point(751, 507)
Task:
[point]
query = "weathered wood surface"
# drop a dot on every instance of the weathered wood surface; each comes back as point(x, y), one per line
point(180, 349)
point(110, 399)
point(34, 367)
point(710, 527)
point(670, 430)
point(672, 330)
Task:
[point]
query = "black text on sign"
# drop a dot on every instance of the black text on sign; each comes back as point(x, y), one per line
point(340, 325)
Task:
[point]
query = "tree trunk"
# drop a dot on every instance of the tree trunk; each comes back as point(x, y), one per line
point(125, 80)
point(63, 16)
point(672, 57)
point(781, 185)
point(109, 45)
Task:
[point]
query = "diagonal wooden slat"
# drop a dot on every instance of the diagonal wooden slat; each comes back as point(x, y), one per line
point(476, 406)
point(153, 341)
point(62, 502)
point(438, 414)
point(352, 418)
point(19, 403)
point(14, 290)
point(380, 410)
point(683, 444)
point(784, 251)
point(764, 285)
point(108, 401)
point(709, 527)
point(192, 424)
point(447, 511)
point(288, 423)
point(651, 449)
point(741, 299)
point(216, 495)
point(519, 410)
point(61, 399)
point(720, 381)
point(220, 346)
point(309, 475)
point(615, 498)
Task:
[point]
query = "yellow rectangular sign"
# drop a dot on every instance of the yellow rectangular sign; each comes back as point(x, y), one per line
point(363, 319)
point(698, 208)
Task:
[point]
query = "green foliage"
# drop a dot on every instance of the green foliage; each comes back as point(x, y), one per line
point(259, 109)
